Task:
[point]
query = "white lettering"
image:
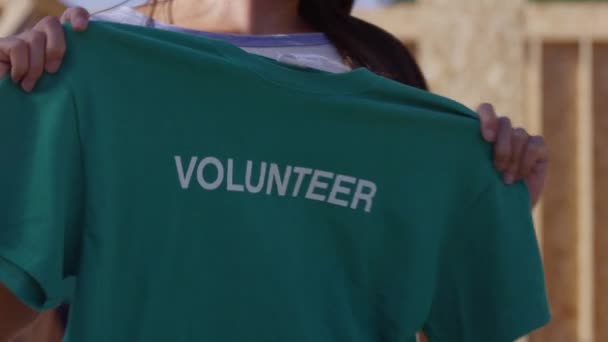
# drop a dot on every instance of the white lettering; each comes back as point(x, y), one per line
point(248, 174)
point(339, 189)
point(302, 172)
point(367, 195)
point(274, 177)
point(230, 180)
point(184, 180)
point(316, 183)
point(220, 173)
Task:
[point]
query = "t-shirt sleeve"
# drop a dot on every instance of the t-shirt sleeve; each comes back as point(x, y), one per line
point(490, 284)
point(40, 192)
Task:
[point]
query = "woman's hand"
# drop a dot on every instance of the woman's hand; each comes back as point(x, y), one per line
point(517, 155)
point(28, 55)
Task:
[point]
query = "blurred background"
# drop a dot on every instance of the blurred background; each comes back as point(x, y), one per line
point(542, 63)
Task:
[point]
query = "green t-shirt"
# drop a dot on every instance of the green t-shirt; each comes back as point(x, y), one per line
point(175, 188)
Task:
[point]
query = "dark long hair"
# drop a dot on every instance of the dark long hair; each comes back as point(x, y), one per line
point(361, 43)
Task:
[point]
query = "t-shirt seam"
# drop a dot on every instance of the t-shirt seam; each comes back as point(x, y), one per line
point(478, 197)
point(305, 90)
point(76, 117)
point(26, 267)
point(373, 81)
point(246, 61)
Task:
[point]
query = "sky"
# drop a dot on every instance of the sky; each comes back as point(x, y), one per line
point(96, 5)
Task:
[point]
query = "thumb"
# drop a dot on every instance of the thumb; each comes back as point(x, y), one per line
point(489, 122)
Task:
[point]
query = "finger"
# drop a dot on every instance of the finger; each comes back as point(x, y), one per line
point(502, 147)
point(4, 69)
point(64, 16)
point(55, 42)
point(37, 45)
point(534, 153)
point(489, 121)
point(19, 59)
point(5, 66)
point(536, 183)
point(78, 17)
point(519, 141)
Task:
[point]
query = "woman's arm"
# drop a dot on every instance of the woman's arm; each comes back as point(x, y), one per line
point(14, 315)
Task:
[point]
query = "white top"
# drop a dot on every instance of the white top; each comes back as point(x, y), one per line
point(310, 50)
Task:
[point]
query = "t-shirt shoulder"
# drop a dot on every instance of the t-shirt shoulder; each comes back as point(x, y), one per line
point(113, 33)
point(41, 192)
point(419, 99)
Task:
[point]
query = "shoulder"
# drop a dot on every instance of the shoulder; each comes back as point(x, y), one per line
point(433, 105)
point(447, 129)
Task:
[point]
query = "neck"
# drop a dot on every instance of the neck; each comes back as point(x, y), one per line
point(232, 16)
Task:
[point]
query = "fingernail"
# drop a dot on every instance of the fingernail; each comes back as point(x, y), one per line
point(27, 86)
point(509, 179)
point(490, 134)
point(79, 23)
point(53, 66)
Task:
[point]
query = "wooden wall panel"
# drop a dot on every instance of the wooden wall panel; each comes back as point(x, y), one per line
point(559, 243)
point(600, 110)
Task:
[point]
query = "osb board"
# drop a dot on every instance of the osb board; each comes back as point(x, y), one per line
point(567, 21)
point(469, 51)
